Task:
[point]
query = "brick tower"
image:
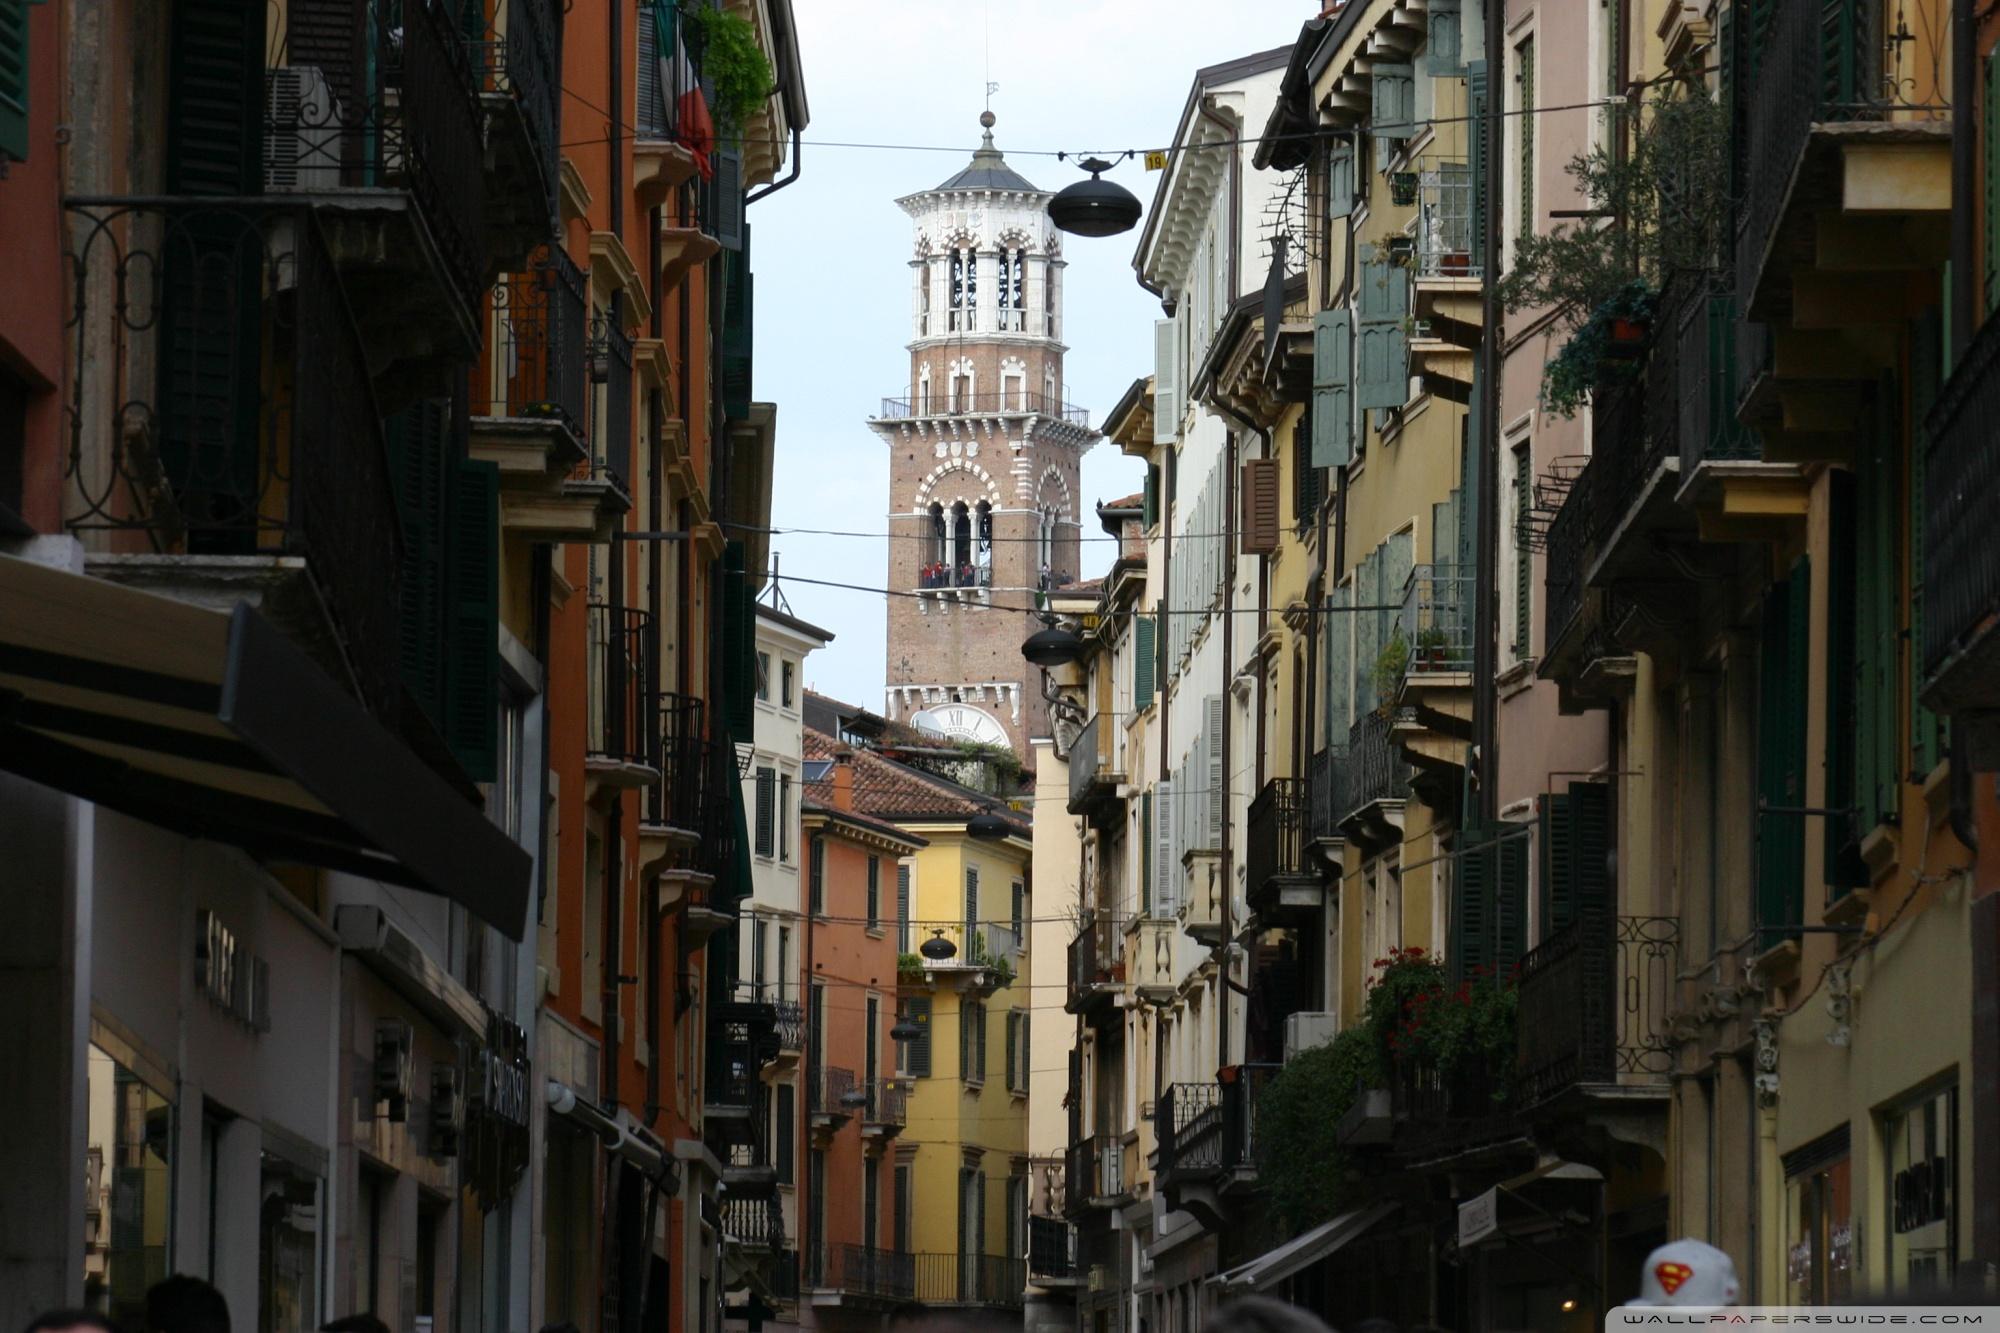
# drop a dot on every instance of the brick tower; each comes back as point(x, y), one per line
point(983, 456)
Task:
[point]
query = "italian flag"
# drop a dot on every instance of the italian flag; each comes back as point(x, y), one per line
point(695, 128)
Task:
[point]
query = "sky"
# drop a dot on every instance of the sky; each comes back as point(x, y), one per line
point(831, 251)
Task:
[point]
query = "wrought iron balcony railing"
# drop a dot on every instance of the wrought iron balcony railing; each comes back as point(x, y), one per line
point(1096, 961)
point(617, 721)
point(1566, 564)
point(702, 805)
point(1594, 1004)
point(864, 1271)
point(888, 1104)
point(536, 364)
point(990, 1280)
point(1087, 756)
point(1278, 834)
point(832, 1091)
point(681, 754)
point(1374, 770)
point(382, 94)
point(791, 1017)
point(1188, 1126)
point(1436, 620)
point(1961, 515)
point(1051, 1249)
point(609, 360)
point(1020, 402)
point(1712, 374)
point(512, 46)
point(1323, 790)
point(221, 405)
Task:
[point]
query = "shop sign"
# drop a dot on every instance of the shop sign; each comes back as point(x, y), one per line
point(1478, 1218)
point(235, 980)
point(495, 1148)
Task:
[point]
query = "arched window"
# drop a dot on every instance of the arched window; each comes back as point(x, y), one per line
point(1017, 278)
point(924, 298)
point(961, 545)
point(964, 293)
point(938, 549)
point(984, 560)
point(1045, 543)
point(924, 388)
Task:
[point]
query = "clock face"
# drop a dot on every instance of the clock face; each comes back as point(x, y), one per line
point(960, 722)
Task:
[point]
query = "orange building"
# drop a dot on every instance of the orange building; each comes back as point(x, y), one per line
point(855, 1107)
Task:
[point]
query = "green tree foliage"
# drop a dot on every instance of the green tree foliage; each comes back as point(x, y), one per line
point(734, 64)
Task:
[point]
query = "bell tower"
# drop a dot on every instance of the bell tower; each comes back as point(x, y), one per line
point(984, 449)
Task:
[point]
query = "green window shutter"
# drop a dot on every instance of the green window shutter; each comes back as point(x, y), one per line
point(472, 680)
point(1333, 391)
point(1339, 654)
point(1382, 345)
point(416, 439)
point(816, 880)
point(1480, 153)
point(1340, 180)
point(1144, 654)
point(725, 194)
point(1555, 837)
point(1842, 674)
point(1393, 100)
point(738, 617)
point(1470, 946)
point(874, 892)
point(918, 1060)
point(14, 66)
point(1525, 125)
point(738, 335)
point(1444, 46)
point(215, 97)
point(1510, 904)
point(1595, 896)
point(1013, 1046)
point(1151, 513)
point(1780, 898)
point(1878, 766)
point(767, 811)
point(1989, 138)
point(1145, 853)
point(1926, 376)
point(1523, 560)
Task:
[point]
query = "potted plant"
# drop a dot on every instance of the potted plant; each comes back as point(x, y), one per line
point(1403, 188)
point(1432, 645)
point(1390, 664)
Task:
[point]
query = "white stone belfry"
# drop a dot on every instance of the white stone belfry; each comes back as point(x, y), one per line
point(984, 448)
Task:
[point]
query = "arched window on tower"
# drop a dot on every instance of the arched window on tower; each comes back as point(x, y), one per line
point(984, 561)
point(924, 389)
point(964, 294)
point(961, 388)
point(1003, 296)
point(961, 546)
point(1014, 391)
point(1050, 403)
point(1045, 545)
point(1016, 277)
point(937, 549)
point(924, 299)
point(1049, 297)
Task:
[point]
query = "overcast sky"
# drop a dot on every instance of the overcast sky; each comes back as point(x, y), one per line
point(830, 251)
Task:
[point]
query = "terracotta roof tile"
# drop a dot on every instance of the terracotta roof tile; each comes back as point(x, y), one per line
point(893, 791)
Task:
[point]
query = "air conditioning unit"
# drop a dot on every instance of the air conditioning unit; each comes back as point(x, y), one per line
point(303, 135)
point(395, 1044)
point(1305, 1030)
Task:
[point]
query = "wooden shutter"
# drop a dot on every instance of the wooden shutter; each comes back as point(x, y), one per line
point(1444, 44)
point(1480, 154)
point(738, 330)
point(1393, 103)
point(1016, 921)
point(816, 874)
point(1340, 180)
point(1166, 382)
point(1880, 699)
point(1145, 660)
point(215, 95)
point(1557, 891)
point(1470, 946)
point(767, 818)
point(1525, 126)
point(1989, 138)
point(739, 645)
point(726, 195)
point(1382, 346)
point(1260, 517)
point(965, 1066)
point(901, 1238)
point(971, 900)
point(1013, 1046)
point(918, 1010)
point(1166, 858)
point(1215, 768)
point(472, 706)
point(651, 118)
point(903, 905)
point(326, 35)
point(1780, 898)
point(1590, 850)
point(1926, 377)
point(874, 892)
point(1523, 558)
point(1510, 902)
point(786, 1148)
point(14, 67)
point(1150, 512)
point(1843, 737)
point(415, 439)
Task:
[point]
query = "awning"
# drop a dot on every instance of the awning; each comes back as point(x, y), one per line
point(1484, 1216)
point(1301, 1252)
point(215, 725)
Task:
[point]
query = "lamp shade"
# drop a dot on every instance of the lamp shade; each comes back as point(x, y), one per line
point(905, 1029)
point(937, 948)
point(1051, 647)
point(988, 826)
point(1096, 207)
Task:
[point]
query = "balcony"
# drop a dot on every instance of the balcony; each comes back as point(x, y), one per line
point(1447, 297)
point(512, 46)
point(1284, 885)
point(887, 1110)
point(1595, 1005)
point(528, 398)
point(598, 490)
point(1847, 175)
point(1433, 720)
point(1207, 1136)
point(968, 582)
point(670, 819)
point(1323, 781)
point(620, 750)
point(1374, 782)
point(754, 1223)
point(1019, 403)
point(985, 955)
point(1094, 778)
point(1188, 1126)
point(376, 123)
point(701, 841)
point(1636, 442)
point(1200, 907)
point(1094, 1175)
point(1961, 647)
point(669, 143)
point(1150, 964)
point(740, 1036)
point(861, 1276)
point(1051, 1252)
point(833, 1097)
point(1096, 964)
point(225, 444)
point(791, 1029)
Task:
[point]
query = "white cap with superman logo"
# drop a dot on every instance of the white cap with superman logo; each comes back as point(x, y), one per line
point(1687, 1272)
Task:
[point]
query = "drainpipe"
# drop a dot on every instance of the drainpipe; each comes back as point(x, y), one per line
point(790, 176)
point(1228, 649)
point(1487, 452)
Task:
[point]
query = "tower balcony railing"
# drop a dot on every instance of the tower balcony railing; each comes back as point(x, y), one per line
point(221, 406)
point(960, 574)
point(1003, 402)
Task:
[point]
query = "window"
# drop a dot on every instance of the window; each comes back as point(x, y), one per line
point(784, 962)
point(593, 926)
point(900, 1231)
point(288, 1247)
point(971, 904)
point(972, 1042)
point(871, 1204)
point(757, 939)
point(1523, 558)
point(764, 677)
point(786, 672)
point(1922, 1192)
point(871, 1064)
point(815, 1198)
point(1819, 1222)
point(1017, 919)
point(129, 1171)
point(785, 817)
point(1524, 83)
point(782, 1152)
point(904, 870)
point(767, 815)
point(924, 298)
point(816, 873)
point(874, 893)
point(816, 1026)
point(964, 294)
point(1017, 1050)
point(913, 1057)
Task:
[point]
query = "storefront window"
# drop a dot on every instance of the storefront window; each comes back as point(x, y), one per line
point(287, 1249)
point(129, 1178)
point(1922, 1143)
point(569, 1224)
point(1820, 1251)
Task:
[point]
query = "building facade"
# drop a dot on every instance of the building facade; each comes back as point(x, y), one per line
point(983, 455)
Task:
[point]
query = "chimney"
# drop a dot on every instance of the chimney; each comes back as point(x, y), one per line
point(843, 779)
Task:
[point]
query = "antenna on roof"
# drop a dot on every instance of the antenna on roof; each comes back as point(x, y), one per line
point(774, 592)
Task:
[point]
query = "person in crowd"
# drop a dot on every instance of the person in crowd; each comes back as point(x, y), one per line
point(185, 1304)
point(1688, 1272)
point(74, 1320)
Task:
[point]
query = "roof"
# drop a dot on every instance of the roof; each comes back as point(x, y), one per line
point(1136, 500)
point(833, 814)
point(988, 170)
point(792, 622)
point(896, 792)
